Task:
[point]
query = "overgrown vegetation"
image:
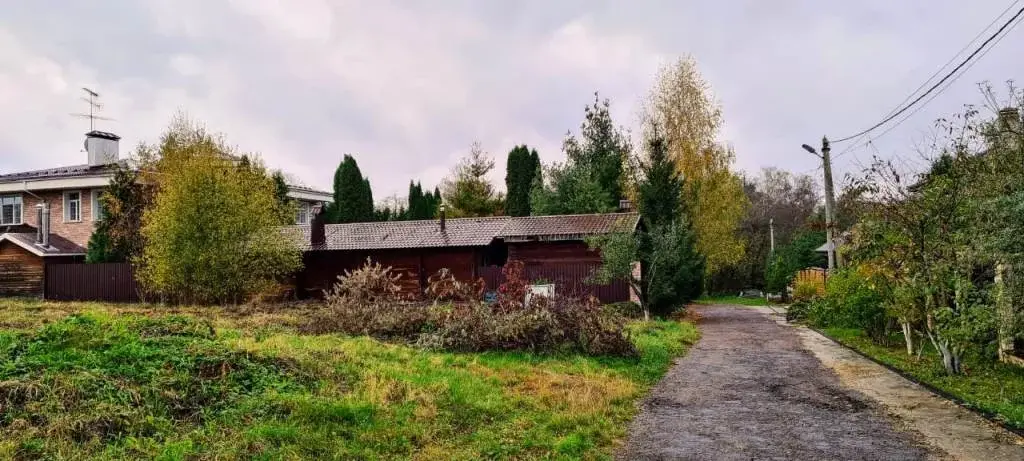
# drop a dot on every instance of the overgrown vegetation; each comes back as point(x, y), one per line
point(671, 270)
point(935, 258)
point(91, 381)
point(367, 301)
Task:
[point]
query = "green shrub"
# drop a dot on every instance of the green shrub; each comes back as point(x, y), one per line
point(851, 301)
point(628, 309)
point(797, 311)
point(806, 290)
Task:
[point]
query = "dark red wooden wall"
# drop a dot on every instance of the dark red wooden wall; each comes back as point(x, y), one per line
point(322, 268)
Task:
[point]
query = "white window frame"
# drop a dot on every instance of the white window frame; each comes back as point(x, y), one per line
point(98, 214)
point(303, 211)
point(20, 216)
point(67, 209)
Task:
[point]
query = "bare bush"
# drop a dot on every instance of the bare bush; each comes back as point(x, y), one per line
point(367, 302)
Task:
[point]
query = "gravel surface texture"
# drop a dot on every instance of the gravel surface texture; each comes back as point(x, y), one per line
point(748, 390)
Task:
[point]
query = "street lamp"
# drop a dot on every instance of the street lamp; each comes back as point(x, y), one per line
point(810, 149)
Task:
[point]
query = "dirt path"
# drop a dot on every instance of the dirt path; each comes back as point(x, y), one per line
point(749, 390)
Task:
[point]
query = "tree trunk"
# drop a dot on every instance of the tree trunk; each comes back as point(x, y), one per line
point(950, 355)
point(908, 337)
point(1005, 314)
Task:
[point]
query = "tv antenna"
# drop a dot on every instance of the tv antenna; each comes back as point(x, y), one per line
point(94, 107)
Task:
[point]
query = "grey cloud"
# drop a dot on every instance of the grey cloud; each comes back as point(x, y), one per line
point(407, 86)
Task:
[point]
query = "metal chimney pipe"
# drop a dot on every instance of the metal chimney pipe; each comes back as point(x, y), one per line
point(441, 210)
point(46, 225)
point(39, 224)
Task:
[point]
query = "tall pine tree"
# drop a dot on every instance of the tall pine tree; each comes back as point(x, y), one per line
point(519, 177)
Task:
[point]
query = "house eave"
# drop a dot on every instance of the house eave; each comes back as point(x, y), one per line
point(80, 182)
point(310, 196)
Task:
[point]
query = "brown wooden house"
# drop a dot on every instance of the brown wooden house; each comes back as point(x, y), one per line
point(552, 248)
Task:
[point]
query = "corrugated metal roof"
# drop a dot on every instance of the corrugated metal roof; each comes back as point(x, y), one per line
point(463, 232)
point(59, 172)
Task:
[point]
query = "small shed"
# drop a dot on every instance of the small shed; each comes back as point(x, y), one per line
point(551, 247)
point(24, 258)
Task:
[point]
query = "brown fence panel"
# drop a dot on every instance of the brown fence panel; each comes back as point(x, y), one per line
point(814, 276)
point(108, 282)
point(573, 280)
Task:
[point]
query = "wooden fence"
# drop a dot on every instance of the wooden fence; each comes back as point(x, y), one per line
point(571, 280)
point(813, 276)
point(107, 282)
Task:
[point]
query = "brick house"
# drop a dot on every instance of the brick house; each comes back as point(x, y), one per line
point(48, 215)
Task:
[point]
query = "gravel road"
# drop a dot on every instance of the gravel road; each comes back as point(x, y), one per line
point(748, 390)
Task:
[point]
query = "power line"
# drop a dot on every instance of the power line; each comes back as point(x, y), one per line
point(941, 81)
point(940, 69)
point(933, 96)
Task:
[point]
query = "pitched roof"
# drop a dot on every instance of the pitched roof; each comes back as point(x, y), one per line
point(59, 246)
point(568, 226)
point(463, 232)
point(59, 172)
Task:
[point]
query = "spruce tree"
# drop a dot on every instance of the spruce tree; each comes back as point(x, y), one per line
point(367, 210)
point(679, 275)
point(353, 201)
point(520, 170)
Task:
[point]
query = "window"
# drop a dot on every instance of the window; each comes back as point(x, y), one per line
point(10, 210)
point(303, 214)
point(72, 206)
point(98, 213)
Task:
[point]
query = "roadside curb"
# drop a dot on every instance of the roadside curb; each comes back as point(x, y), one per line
point(991, 417)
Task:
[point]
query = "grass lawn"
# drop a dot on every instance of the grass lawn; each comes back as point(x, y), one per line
point(992, 387)
point(736, 300)
point(93, 381)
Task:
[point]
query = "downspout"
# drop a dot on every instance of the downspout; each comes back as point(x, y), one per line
point(41, 232)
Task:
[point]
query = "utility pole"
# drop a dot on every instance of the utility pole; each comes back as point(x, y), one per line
point(830, 203)
point(771, 232)
point(834, 261)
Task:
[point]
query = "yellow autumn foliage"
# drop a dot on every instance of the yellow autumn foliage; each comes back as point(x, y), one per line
point(682, 106)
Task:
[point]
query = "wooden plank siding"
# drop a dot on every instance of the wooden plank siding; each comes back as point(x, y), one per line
point(546, 253)
point(322, 268)
point(21, 272)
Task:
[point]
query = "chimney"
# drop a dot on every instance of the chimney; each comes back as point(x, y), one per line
point(625, 206)
point(1009, 123)
point(43, 225)
point(102, 147)
point(441, 210)
point(317, 227)
point(39, 224)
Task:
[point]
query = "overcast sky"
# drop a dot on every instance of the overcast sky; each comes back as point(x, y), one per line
point(407, 86)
